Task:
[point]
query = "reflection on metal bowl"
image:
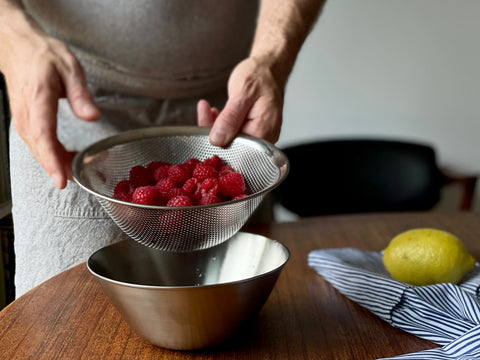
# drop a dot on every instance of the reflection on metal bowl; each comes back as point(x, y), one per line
point(191, 300)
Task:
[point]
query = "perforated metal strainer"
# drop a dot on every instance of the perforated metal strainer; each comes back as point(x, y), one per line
point(101, 166)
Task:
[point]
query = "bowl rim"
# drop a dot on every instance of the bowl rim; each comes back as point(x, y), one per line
point(279, 158)
point(249, 279)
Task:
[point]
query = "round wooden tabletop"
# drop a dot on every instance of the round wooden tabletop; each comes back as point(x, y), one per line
point(69, 316)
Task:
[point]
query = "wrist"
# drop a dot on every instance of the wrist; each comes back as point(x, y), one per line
point(281, 30)
point(276, 64)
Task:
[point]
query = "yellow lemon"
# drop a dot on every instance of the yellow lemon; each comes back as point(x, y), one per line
point(427, 256)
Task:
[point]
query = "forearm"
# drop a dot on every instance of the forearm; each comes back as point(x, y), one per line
point(283, 26)
point(16, 28)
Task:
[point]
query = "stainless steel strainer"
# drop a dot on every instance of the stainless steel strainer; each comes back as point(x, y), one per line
point(101, 166)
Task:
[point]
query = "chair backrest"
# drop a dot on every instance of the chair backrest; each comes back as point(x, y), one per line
point(359, 175)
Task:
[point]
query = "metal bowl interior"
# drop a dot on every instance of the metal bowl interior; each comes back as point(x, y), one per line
point(101, 166)
point(187, 301)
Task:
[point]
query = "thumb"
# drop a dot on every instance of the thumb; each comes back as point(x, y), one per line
point(229, 122)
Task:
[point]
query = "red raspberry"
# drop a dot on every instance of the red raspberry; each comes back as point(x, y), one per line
point(186, 168)
point(240, 197)
point(176, 192)
point(193, 187)
point(232, 184)
point(179, 174)
point(166, 184)
point(224, 170)
point(209, 186)
point(141, 176)
point(122, 191)
point(209, 199)
point(156, 164)
point(147, 195)
point(204, 182)
point(203, 172)
point(190, 164)
point(180, 200)
point(161, 172)
point(215, 161)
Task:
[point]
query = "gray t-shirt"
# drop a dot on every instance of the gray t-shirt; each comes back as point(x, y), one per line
point(165, 49)
point(147, 61)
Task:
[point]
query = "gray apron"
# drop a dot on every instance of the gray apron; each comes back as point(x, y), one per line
point(147, 63)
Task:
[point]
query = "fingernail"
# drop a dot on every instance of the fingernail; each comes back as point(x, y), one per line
point(218, 137)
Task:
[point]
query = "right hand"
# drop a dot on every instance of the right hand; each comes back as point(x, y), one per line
point(254, 106)
point(39, 70)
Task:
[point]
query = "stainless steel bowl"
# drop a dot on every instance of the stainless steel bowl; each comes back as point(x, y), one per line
point(187, 301)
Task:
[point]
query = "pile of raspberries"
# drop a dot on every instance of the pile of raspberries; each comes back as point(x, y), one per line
point(193, 182)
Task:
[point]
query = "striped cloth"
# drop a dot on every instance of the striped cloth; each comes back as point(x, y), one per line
point(446, 314)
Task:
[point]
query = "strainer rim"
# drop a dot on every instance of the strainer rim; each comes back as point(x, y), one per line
point(280, 160)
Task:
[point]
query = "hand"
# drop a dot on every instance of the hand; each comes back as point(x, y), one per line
point(39, 71)
point(254, 106)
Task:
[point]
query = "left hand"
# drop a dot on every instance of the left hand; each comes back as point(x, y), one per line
point(254, 106)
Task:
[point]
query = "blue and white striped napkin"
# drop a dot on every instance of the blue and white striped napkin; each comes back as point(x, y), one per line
point(446, 314)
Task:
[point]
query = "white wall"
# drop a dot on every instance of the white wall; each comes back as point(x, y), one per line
point(398, 68)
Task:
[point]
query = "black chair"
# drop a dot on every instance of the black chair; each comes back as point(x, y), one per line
point(346, 176)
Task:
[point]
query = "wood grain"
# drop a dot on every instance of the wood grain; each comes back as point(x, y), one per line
point(69, 317)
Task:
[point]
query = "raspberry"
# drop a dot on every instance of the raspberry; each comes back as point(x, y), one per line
point(203, 172)
point(215, 161)
point(187, 168)
point(122, 191)
point(232, 184)
point(178, 174)
point(224, 170)
point(165, 184)
point(190, 164)
point(141, 176)
point(240, 197)
point(147, 195)
point(161, 172)
point(180, 200)
point(209, 199)
point(176, 192)
point(209, 186)
point(190, 183)
point(193, 187)
point(156, 164)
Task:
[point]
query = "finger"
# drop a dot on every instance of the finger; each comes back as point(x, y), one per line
point(43, 141)
point(204, 113)
point(265, 121)
point(77, 93)
point(215, 113)
point(270, 133)
point(41, 131)
point(229, 122)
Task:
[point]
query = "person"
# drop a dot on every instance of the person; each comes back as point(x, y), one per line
point(79, 71)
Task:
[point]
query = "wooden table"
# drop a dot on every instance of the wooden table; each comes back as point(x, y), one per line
point(69, 317)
